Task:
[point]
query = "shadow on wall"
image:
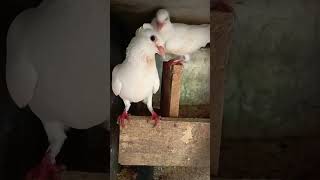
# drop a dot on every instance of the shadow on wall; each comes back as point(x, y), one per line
point(128, 26)
point(272, 88)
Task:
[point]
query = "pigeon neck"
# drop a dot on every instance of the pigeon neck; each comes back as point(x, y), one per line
point(141, 57)
point(167, 31)
point(168, 27)
point(138, 54)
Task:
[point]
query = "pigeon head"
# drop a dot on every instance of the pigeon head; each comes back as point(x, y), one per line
point(162, 18)
point(150, 39)
point(146, 41)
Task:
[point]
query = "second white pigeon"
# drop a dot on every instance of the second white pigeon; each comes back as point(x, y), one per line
point(180, 39)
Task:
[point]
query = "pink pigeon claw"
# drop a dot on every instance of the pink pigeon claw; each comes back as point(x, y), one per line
point(176, 61)
point(121, 118)
point(156, 118)
point(46, 170)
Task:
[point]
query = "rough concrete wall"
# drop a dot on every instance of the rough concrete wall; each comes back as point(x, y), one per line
point(195, 87)
point(272, 85)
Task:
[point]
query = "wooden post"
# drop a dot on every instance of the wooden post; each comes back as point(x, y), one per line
point(170, 90)
point(221, 38)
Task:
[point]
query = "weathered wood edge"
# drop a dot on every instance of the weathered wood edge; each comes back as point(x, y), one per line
point(138, 134)
point(170, 90)
point(221, 37)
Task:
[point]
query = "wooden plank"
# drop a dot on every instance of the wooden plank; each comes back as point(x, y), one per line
point(175, 142)
point(170, 90)
point(221, 36)
point(185, 111)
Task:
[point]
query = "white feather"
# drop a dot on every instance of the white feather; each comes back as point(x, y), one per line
point(156, 85)
point(185, 39)
point(21, 80)
point(116, 83)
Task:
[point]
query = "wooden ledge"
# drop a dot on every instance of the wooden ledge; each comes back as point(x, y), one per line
point(174, 142)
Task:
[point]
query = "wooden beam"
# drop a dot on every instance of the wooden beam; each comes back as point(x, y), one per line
point(221, 36)
point(174, 142)
point(170, 90)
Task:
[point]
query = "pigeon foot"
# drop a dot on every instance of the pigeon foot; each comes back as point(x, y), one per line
point(156, 118)
point(45, 170)
point(121, 118)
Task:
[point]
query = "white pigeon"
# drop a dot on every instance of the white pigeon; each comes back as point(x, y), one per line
point(57, 63)
point(180, 39)
point(136, 78)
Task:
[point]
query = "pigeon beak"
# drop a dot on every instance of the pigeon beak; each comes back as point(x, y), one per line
point(161, 50)
point(159, 25)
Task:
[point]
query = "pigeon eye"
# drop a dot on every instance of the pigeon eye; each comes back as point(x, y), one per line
point(166, 19)
point(153, 38)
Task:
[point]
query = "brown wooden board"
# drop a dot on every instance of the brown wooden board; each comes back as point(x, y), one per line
point(174, 142)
